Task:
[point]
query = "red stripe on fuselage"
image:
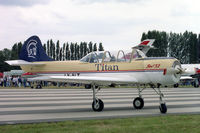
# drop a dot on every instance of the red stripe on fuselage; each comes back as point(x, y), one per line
point(101, 71)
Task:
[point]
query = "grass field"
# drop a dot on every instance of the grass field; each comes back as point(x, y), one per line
point(158, 124)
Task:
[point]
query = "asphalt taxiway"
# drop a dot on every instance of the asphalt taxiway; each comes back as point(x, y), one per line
point(50, 105)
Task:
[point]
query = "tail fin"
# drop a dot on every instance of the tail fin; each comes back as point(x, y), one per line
point(33, 51)
point(147, 42)
point(145, 45)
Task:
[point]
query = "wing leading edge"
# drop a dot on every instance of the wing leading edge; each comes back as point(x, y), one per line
point(87, 79)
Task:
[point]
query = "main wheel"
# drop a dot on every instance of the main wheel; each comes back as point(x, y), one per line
point(138, 103)
point(98, 106)
point(163, 108)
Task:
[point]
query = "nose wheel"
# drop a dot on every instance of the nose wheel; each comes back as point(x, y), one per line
point(163, 108)
point(138, 103)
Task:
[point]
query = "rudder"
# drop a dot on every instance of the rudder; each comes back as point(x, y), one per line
point(33, 51)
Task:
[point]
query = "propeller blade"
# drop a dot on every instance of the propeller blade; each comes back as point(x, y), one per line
point(175, 71)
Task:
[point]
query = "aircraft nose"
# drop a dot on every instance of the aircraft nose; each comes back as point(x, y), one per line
point(176, 70)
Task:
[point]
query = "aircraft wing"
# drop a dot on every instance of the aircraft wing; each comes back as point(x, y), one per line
point(186, 77)
point(87, 79)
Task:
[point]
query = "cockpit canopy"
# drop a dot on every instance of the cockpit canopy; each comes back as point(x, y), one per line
point(106, 56)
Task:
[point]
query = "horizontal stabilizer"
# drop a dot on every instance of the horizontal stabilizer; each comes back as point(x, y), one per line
point(22, 62)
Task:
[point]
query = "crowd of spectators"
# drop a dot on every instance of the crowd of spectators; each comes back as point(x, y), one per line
point(18, 81)
point(14, 81)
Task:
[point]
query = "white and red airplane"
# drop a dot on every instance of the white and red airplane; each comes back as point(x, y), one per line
point(192, 73)
point(103, 68)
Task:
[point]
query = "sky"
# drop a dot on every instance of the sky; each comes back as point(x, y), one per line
point(118, 24)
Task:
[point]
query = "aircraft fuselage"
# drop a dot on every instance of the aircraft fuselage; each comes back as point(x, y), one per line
point(145, 70)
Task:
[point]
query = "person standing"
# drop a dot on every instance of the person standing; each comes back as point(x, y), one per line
point(15, 80)
point(24, 82)
point(19, 81)
point(5, 81)
point(1, 82)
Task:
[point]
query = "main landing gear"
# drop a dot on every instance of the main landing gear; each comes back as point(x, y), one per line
point(97, 104)
point(138, 102)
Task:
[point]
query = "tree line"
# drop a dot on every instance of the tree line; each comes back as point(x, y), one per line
point(66, 51)
point(70, 51)
point(183, 46)
point(7, 54)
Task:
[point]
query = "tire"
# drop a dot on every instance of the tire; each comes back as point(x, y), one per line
point(138, 103)
point(176, 85)
point(99, 107)
point(163, 108)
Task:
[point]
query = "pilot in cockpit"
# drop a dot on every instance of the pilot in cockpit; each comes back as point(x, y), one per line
point(137, 54)
point(93, 58)
point(113, 58)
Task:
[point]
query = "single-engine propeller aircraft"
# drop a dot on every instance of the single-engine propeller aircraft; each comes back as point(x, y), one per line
point(102, 68)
